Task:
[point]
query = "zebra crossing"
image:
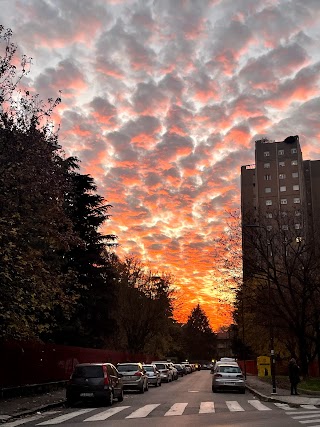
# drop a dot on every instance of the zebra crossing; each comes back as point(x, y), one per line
point(306, 414)
point(129, 412)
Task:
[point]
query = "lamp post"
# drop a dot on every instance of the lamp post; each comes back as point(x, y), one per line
point(271, 332)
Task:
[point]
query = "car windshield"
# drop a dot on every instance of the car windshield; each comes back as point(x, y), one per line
point(160, 365)
point(230, 369)
point(128, 367)
point(149, 368)
point(88, 372)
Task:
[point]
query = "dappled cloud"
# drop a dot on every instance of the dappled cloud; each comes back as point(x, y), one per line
point(162, 101)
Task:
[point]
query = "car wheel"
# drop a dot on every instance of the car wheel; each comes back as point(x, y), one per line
point(243, 391)
point(147, 386)
point(214, 390)
point(120, 398)
point(160, 383)
point(141, 390)
point(157, 383)
point(110, 398)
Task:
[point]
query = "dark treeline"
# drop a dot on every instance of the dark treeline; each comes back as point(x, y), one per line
point(60, 278)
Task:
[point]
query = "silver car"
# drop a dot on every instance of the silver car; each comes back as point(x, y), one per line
point(153, 375)
point(165, 371)
point(133, 376)
point(228, 376)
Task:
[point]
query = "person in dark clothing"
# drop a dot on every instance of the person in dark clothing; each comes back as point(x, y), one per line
point(294, 377)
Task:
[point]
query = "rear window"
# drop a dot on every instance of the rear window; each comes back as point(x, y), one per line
point(149, 368)
point(128, 367)
point(88, 372)
point(160, 365)
point(229, 369)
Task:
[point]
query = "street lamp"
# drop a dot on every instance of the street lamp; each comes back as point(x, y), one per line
point(272, 354)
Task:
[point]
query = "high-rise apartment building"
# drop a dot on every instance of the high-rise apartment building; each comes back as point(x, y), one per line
point(281, 191)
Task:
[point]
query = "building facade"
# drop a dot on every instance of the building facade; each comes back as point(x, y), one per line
point(281, 191)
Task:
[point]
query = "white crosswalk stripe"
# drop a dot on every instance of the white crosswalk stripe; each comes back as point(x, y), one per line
point(285, 406)
point(106, 414)
point(206, 408)
point(176, 409)
point(66, 417)
point(258, 405)
point(234, 406)
point(144, 411)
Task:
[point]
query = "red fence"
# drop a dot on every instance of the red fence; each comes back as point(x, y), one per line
point(36, 363)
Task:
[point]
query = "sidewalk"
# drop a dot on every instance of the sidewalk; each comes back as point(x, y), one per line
point(263, 390)
point(19, 406)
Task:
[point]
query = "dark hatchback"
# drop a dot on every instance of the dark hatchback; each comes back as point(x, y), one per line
point(98, 381)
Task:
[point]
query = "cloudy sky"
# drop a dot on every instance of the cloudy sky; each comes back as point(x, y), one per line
point(162, 101)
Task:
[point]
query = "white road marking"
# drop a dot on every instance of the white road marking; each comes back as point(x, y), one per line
point(234, 406)
point(66, 417)
point(300, 417)
point(309, 421)
point(206, 407)
point(23, 421)
point(258, 405)
point(176, 409)
point(285, 406)
point(308, 406)
point(144, 411)
point(303, 412)
point(106, 414)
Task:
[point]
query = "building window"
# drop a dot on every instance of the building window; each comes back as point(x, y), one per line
point(282, 164)
point(268, 202)
point(266, 165)
point(297, 212)
point(296, 200)
point(283, 201)
point(293, 150)
point(266, 153)
point(298, 239)
point(269, 227)
point(269, 215)
point(284, 227)
point(283, 188)
point(297, 226)
point(282, 176)
point(295, 175)
point(296, 187)
point(267, 177)
point(280, 152)
point(267, 190)
point(284, 213)
point(294, 162)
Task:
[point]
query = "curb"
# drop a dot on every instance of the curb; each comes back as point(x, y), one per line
point(34, 410)
point(265, 398)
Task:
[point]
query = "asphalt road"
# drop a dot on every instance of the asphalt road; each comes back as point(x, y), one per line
point(188, 402)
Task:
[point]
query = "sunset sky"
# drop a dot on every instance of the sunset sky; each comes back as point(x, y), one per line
point(162, 101)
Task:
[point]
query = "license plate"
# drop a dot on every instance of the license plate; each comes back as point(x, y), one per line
point(86, 394)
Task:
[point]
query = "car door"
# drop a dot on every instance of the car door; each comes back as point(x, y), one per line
point(114, 379)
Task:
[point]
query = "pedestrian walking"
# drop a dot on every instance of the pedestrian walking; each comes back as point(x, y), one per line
point(294, 375)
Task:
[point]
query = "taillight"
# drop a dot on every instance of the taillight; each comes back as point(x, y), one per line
point(217, 375)
point(105, 376)
point(138, 374)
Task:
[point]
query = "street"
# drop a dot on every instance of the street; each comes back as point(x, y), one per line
point(187, 402)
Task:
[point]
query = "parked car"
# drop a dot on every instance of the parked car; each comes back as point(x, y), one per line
point(181, 369)
point(153, 375)
point(174, 370)
point(165, 371)
point(223, 360)
point(95, 381)
point(187, 366)
point(134, 376)
point(228, 376)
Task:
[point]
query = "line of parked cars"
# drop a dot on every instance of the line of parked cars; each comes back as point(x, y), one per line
point(227, 375)
point(106, 382)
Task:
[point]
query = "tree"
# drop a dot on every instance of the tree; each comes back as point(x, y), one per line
point(145, 307)
point(200, 340)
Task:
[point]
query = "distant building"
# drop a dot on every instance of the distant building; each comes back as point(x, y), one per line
point(224, 343)
point(281, 190)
